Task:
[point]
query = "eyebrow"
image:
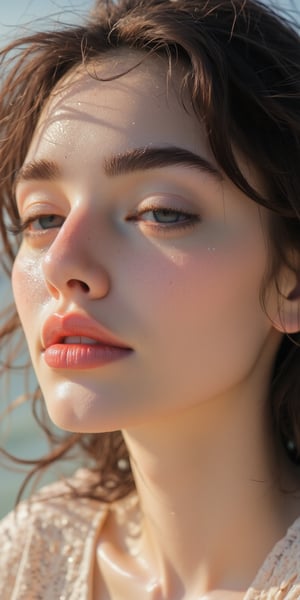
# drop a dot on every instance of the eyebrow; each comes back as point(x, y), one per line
point(38, 170)
point(139, 159)
point(156, 158)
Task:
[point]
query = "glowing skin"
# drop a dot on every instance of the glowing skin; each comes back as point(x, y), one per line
point(185, 299)
point(183, 296)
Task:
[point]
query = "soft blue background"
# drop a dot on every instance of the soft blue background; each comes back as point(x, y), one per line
point(16, 14)
point(19, 434)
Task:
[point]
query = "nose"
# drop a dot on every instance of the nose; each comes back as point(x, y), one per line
point(72, 264)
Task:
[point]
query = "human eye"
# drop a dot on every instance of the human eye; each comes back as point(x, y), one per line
point(162, 217)
point(165, 216)
point(37, 224)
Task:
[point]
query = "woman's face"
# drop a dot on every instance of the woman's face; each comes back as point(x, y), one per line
point(137, 281)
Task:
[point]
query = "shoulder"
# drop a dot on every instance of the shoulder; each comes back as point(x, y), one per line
point(287, 567)
point(50, 536)
point(280, 574)
point(56, 501)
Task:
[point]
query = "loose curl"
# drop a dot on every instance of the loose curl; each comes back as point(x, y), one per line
point(242, 73)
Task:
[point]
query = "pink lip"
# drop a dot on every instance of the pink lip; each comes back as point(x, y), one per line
point(58, 354)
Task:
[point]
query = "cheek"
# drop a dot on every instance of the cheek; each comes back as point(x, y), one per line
point(28, 289)
point(220, 282)
point(203, 308)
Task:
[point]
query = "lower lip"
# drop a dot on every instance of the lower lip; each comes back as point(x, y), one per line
point(82, 356)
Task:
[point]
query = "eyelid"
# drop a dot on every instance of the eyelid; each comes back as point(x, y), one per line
point(156, 227)
point(39, 195)
point(169, 201)
point(36, 199)
point(22, 225)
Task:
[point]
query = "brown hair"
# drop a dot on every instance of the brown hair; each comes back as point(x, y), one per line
point(242, 72)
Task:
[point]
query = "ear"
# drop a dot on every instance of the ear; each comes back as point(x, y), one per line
point(287, 313)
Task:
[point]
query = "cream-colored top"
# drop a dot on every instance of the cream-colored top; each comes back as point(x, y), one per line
point(47, 551)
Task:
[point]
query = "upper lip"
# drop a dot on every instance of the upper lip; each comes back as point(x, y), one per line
point(57, 327)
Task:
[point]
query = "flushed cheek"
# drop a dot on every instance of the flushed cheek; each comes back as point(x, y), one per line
point(174, 282)
point(204, 308)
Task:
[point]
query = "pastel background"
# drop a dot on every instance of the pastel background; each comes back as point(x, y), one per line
point(18, 434)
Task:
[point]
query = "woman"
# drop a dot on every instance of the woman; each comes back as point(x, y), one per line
point(149, 169)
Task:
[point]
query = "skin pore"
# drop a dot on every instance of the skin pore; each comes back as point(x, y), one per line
point(169, 256)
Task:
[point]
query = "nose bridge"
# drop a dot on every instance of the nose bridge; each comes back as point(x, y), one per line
point(70, 244)
point(75, 256)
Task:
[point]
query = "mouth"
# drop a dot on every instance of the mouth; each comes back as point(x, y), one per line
point(78, 339)
point(75, 341)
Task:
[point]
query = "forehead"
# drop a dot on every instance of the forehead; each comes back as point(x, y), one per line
point(121, 73)
point(127, 98)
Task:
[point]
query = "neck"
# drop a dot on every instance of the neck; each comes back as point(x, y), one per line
point(207, 479)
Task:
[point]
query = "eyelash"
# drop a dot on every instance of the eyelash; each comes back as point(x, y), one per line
point(182, 220)
point(22, 226)
point(189, 219)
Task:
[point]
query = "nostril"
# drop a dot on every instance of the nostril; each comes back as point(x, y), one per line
point(77, 282)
